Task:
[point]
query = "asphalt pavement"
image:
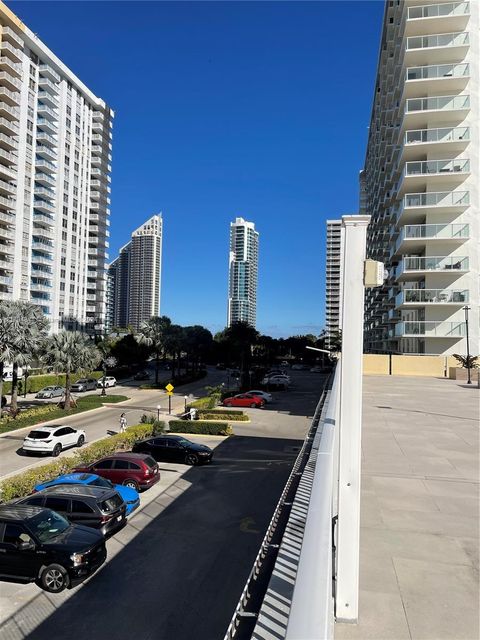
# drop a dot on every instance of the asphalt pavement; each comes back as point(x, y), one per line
point(178, 568)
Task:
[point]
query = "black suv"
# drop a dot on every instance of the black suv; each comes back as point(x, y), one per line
point(98, 507)
point(174, 449)
point(40, 545)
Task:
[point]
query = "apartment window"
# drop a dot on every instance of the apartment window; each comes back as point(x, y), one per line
point(76, 166)
point(63, 261)
point(64, 223)
point(72, 290)
point(67, 147)
point(77, 154)
point(62, 286)
point(65, 197)
point(67, 160)
point(65, 211)
point(68, 123)
point(74, 227)
point(29, 125)
point(34, 58)
point(62, 273)
point(77, 131)
point(29, 139)
point(65, 185)
point(69, 110)
point(78, 117)
point(31, 84)
point(75, 191)
point(64, 235)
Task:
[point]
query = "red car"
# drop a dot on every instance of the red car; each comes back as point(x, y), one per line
point(244, 400)
point(134, 470)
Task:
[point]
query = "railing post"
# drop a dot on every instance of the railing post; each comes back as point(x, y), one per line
point(348, 536)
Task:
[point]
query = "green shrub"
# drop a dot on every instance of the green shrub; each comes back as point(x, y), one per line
point(207, 402)
point(218, 414)
point(201, 427)
point(24, 483)
point(36, 383)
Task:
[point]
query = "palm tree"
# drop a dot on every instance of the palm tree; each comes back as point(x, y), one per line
point(242, 336)
point(153, 333)
point(6, 341)
point(174, 341)
point(70, 352)
point(26, 331)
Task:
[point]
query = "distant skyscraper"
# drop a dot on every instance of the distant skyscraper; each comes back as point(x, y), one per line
point(333, 283)
point(134, 278)
point(243, 272)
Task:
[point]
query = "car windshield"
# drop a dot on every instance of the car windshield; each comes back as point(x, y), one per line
point(48, 525)
point(39, 435)
point(81, 381)
point(48, 388)
point(111, 504)
point(101, 482)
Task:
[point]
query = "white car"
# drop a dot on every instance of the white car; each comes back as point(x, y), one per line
point(261, 394)
point(278, 380)
point(110, 381)
point(53, 439)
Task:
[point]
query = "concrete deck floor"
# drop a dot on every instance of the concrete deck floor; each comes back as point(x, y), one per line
point(419, 536)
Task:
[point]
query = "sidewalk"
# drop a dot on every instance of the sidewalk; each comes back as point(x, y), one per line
point(420, 523)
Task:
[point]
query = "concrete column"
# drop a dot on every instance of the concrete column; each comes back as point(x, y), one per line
point(348, 528)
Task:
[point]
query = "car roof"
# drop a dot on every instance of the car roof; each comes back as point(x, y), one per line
point(51, 428)
point(76, 490)
point(129, 455)
point(19, 511)
point(67, 477)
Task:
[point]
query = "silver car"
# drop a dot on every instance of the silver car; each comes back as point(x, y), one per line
point(50, 392)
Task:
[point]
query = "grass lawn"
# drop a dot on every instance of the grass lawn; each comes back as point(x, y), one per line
point(31, 417)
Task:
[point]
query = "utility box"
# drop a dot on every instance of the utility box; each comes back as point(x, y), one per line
point(374, 273)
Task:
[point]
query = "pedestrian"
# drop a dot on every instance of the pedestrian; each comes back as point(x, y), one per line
point(123, 423)
point(193, 414)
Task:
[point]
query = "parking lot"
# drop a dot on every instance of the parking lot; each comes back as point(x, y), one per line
point(177, 569)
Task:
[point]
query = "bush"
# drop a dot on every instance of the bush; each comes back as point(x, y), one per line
point(23, 484)
point(207, 402)
point(218, 414)
point(36, 383)
point(201, 427)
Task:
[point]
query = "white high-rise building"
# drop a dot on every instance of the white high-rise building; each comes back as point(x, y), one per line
point(333, 280)
point(242, 273)
point(55, 154)
point(135, 276)
point(422, 180)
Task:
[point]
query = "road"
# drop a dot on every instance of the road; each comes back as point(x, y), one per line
point(178, 568)
point(97, 422)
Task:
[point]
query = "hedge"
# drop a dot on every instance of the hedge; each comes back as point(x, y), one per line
point(23, 484)
point(30, 417)
point(36, 383)
point(200, 427)
point(218, 414)
point(207, 402)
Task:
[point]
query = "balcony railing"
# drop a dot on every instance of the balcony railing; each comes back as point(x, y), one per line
point(459, 165)
point(437, 199)
point(438, 231)
point(438, 40)
point(438, 103)
point(432, 296)
point(46, 70)
point(432, 263)
point(430, 329)
point(438, 71)
point(444, 134)
point(439, 10)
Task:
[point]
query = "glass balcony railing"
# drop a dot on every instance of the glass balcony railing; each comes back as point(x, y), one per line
point(433, 263)
point(437, 199)
point(439, 10)
point(438, 231)
point(438, 40)
point(438, 71)
point(458, 165)
point(432, 296)
point(438, 103)
point(430, 329)
point(444, 134)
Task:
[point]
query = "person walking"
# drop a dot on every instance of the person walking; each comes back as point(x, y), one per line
point(123, 423)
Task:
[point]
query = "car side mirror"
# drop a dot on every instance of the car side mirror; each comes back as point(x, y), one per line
point(26, 546)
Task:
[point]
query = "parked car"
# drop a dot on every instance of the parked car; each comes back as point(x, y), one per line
point(134, 470)
point(244, 400)
point(40, 545)
point(128, 495)
point(141, 375)
point(284, 363)
point(174, 449)
point(50, 392)
point(53, 439)
point(110, 381)
point(267, 397)
point(97, 507)
point(84, 384)
point(276, 380)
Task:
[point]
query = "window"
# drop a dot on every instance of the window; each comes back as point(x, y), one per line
point(104, 464)
point(29, 139)
point(57, 504)
point(68, 123)
point(81, 507)
point(69, 110)
point(14, 534)
point(121, 464)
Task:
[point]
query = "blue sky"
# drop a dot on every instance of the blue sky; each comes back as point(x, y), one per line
point(225, 109)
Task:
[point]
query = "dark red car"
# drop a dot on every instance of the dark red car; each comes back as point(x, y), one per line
point(134, 470)
point(244, 400)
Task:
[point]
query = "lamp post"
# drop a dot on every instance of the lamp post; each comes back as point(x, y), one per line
point(466, 308)
point(158, 412)
point(185, 398)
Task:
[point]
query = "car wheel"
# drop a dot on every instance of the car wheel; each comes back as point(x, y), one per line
point(54, 578)
point(131, 484)
point(191, 459)
point(253, 405)
point(228, 404)
point(80, 441)
point(51, 396)
point(57, 450)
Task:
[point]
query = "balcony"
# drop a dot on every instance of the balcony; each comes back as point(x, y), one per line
point(47, 98)
point(454, 139)
point(46, 112)
point(40, 286)
point(8, 128)
point(421, 112)
point(45, 165)
point(438, 48)
point(11, 98)
point(432, 18)
point(436, 78)
point(7, 234)
point(45, 124)
point(7, 189)
point(8, 112)
point(449, 173)
point(416, 236)
point(10, 81)
point(45, 152)
point(44, 192)
point(43, 218)
point(47, 71)
point(7, 218)
point(430, 329)
point(47, 85)
point(45, 179)
point(41, 259)
point(9, 51)
point(9, 203)
point(11, 36)
point(97, 126)
point(411, 298)
point(416, 267)
point(46, 138)
point(415, 204)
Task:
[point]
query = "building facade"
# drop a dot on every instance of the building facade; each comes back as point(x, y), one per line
point(55, 153)
point(134, 277)
point(242, 273)
point(422, 180)
point(333, 280)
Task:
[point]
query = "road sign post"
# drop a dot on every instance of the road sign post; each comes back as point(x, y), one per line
point(169, 387)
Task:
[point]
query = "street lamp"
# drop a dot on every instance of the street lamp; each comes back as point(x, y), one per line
point(158, 412)
point(466, 308)
point(185, 398)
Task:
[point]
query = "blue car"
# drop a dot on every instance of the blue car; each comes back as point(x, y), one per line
point(128, 495)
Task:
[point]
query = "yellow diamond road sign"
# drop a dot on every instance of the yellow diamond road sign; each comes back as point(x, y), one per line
point(169, 387)
point(169, 393)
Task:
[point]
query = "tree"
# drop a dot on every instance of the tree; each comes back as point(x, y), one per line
point(174, 340)
point(129, 351)
point(467, 362)
point(153, 334)
point(241, 336)
point(197, 342)
point(108, 361)
point(6, 341)
point(70, 352)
